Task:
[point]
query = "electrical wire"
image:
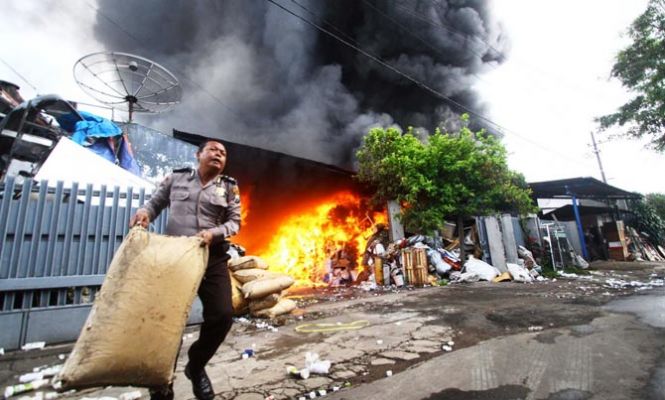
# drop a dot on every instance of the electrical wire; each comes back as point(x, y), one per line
point(24, 79)
point(186, 77)
point(500, 128)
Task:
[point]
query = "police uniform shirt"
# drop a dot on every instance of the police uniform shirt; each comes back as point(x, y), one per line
point(194, 207)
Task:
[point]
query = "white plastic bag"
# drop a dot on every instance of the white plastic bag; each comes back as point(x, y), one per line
point(519, 273)
point(484, 271)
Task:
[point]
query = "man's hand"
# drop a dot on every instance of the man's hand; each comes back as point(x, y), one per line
point(140, 218)
point(206, 237)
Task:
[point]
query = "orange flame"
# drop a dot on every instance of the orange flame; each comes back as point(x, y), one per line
point(244, 210)
point(304, 242)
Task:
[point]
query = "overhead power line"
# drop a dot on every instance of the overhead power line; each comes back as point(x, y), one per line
point(23, 78)
point(202, 88)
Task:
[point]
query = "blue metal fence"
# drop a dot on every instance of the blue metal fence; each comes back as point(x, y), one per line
point(55, 246)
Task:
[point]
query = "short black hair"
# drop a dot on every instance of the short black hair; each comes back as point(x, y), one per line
point(203, 144)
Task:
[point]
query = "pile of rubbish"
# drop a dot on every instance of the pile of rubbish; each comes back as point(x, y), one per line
point(640, 249)
point(422, 260)
point(258, 291)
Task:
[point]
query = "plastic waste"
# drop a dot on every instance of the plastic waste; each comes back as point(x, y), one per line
point(397, 274)
point(519, 274)
point(247, 353)
point(451, 259)
point(33, 346)
point(436, 260)
point(468, 277)
point(24, 387)
point(297, 373)
point(31, 376)
point(133, 395)
point(415, 239)
point(581, 262)
point(315, 365)
point(505, 276)
point(484, 271)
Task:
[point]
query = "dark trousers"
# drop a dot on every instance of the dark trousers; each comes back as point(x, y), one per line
point(215, 295)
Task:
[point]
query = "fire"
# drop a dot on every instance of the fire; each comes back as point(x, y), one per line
point(244, 210)
point(305, 241)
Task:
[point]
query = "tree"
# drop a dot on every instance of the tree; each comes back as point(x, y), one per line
point(648, 220)
point(657, 202)
point(460, 174)
point(641, 68)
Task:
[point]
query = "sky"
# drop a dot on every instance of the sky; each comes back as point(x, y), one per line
point(553, 84)
point(555, 81)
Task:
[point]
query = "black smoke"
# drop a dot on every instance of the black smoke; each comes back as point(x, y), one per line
point(254, 74)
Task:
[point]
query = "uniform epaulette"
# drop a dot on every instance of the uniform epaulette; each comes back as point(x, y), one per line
point(183, 169)
point(229, 179)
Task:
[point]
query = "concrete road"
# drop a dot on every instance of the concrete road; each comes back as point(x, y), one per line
point(616, 356)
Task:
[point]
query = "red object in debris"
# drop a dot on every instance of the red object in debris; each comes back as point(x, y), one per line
point(456, 265)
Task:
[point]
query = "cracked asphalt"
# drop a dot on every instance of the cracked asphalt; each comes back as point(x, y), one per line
point(598, 336)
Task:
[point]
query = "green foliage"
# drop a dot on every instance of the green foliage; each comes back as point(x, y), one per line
point(549, 272)
point(657, 202)
point(648, 220)
point(641, 68)
point(451, 174)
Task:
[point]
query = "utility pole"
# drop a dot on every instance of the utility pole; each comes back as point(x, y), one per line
point(597, 152)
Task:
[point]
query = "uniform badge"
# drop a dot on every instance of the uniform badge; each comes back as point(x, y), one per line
point(220, 191)
point(236, 194)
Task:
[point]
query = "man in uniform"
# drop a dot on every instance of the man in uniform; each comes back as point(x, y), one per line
point(206, 204)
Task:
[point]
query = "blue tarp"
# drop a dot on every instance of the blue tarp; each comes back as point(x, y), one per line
point(102, 137)
point(89, 129)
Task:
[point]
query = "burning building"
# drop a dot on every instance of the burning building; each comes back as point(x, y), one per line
point(306, 219)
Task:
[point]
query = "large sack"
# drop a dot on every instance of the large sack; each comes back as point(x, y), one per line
point(133, 332)
point(284, 306)
point(248, 275)
point(240, 305)
point(263, 287)
point(484, 271)
point(264, 302)
point(519, 273)
point(247, 262)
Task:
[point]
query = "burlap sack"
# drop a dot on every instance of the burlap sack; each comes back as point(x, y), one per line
point(133, 332)
point(284, 306)
point(248, 275)
point(240, 305)
point(247, 262)
point(264, 302)
point(263, 287)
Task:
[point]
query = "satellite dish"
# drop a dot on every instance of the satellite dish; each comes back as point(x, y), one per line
point(127, 82)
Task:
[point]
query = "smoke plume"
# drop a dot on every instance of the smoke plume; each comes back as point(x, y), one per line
point(254, 74)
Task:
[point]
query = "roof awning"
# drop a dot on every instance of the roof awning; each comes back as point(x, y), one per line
point(582, 188)
point(567, 213)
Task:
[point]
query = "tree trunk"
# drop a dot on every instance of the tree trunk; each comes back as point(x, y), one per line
point(460, 236)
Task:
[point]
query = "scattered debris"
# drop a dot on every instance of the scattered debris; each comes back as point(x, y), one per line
point(24, 387)
point(328, 327)
point(316, 365)
point(297, 373)
point(33, 346)
point(133, 395)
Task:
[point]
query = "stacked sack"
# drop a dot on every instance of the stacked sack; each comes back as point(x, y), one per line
point(257, 290)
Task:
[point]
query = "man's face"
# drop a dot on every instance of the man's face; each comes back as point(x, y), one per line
point(212, 156)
